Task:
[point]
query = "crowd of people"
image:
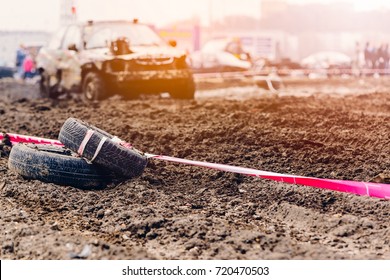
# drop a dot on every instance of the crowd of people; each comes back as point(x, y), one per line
point(376, 57)
point(24, 63)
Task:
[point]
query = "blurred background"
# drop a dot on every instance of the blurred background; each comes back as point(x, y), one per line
point(289, 33)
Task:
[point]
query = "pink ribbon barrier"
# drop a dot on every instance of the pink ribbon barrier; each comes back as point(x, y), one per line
point(17, 138)
point(360, 188)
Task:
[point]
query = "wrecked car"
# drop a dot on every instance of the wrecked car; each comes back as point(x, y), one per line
point(221, 55)
point(100, 59)
point(6, 71)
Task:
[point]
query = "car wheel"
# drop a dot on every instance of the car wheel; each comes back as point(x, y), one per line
point(56, 165)
point(46, 89)
point(44, 85)
point(93, 87)
point(102, 148)
point(184, 90)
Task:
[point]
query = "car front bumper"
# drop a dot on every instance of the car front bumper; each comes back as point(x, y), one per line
point(156, 75)
point(149, 81)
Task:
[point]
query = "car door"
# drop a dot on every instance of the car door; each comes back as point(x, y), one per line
point(48, 57)
point(69, 61)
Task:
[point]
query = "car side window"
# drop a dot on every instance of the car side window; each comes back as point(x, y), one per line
point(56, 40)
point(72, 37)
point(99, 39)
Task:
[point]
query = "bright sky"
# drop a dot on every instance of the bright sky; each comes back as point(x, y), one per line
point(44, 14)
point(359, 5)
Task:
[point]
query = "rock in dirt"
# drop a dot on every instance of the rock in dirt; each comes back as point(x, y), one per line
point(85, 253)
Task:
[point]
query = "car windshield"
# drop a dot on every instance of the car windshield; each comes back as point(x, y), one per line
point(100, 35)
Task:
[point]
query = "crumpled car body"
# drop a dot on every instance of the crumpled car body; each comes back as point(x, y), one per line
point(129, 57)
point(221, 55)
point(326, 60)
point(7, 72)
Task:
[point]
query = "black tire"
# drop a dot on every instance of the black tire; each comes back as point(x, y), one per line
point(44, 85)
point(184, 90)
point(56, 165)
point(125, 162)
point(46, 89)
point(94, 87)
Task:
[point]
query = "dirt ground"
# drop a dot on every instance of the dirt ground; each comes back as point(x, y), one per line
point(337, 128)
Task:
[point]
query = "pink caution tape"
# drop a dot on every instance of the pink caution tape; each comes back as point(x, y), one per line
point(17, 138)
point(361, 188)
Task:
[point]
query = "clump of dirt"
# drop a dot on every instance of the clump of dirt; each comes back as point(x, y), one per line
point(184, 212)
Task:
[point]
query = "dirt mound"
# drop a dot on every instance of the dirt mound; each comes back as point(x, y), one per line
point(183, 212)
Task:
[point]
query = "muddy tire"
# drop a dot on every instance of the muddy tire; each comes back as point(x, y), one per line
point(56, 165)
point(94, 87)
point(184, 90)
point(46, 89)
point(123, 161)
point(44, 85)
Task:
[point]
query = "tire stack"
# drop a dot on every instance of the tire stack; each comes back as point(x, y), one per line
point(112, 161)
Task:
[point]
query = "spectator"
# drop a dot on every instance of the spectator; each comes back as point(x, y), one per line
point(382, 57)
point(386, 56)
point(28, 67)
point(371, 56)
point(20, 56)
point(356, 59)
point(375, 55)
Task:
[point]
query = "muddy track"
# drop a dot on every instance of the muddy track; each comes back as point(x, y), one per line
point(184, 212)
